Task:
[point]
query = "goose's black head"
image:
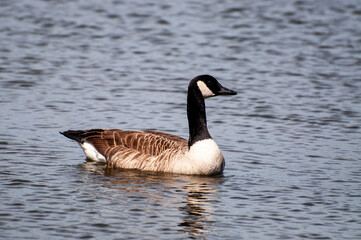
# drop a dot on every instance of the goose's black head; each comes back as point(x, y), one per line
point(210, 87)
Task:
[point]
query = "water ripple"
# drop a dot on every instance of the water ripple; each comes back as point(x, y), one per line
point(290, 137)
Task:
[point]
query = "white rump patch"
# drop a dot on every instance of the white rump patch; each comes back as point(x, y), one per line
point(206, 92)
point(92, 153)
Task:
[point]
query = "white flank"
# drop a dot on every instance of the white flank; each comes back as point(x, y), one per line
point(206, 92)
point(204, 157)
point(92, 153)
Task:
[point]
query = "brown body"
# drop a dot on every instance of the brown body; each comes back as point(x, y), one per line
point(132, 149)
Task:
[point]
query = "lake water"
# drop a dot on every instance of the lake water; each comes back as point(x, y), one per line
point(291, 137)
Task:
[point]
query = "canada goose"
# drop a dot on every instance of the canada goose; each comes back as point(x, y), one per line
point(157, 151)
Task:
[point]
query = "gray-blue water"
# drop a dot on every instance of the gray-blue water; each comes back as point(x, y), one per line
point(291, 137)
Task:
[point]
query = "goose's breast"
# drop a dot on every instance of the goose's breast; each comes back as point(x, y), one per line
point(204, 157)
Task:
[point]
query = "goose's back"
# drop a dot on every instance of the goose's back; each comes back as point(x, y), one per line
point(146, 150)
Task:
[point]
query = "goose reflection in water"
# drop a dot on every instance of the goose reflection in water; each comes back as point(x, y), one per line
point(197, 212)
point(196, 193)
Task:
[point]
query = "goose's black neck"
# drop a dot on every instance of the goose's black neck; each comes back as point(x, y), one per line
point(196, 112)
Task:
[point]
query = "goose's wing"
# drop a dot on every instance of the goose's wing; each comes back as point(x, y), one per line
point(114, 141)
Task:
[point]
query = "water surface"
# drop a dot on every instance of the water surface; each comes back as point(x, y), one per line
point(291, 137)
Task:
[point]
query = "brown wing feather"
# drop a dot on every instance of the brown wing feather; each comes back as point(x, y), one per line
point(152, 143)
point(148, 150)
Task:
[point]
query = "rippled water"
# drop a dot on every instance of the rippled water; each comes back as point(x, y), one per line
point(291, 137)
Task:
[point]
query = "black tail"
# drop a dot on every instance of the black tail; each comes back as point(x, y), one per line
point(76, 135)
point(80, 135)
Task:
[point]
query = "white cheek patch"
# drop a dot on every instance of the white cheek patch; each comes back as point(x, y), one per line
point(206, 92)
